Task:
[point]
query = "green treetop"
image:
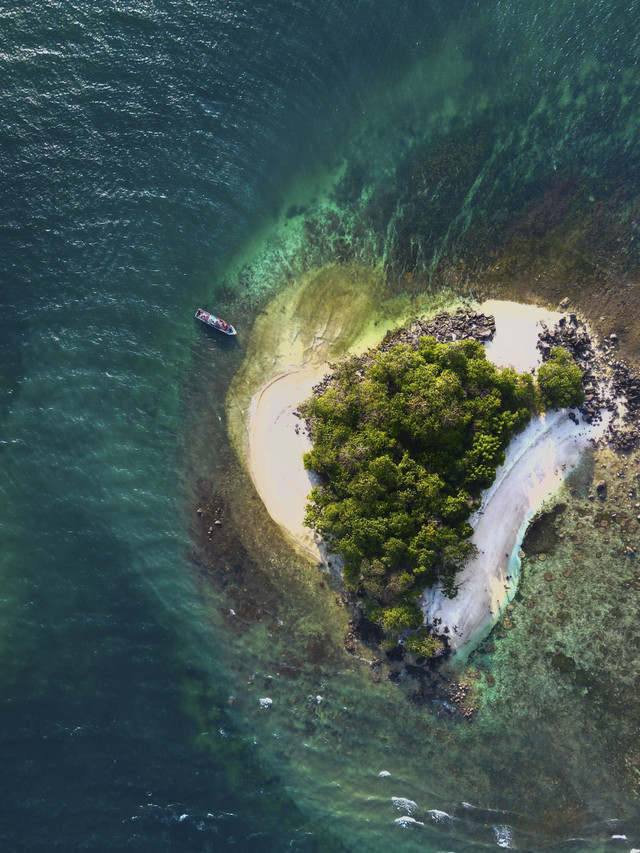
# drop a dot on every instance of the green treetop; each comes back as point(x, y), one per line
point(560, 380)
point(405, 441)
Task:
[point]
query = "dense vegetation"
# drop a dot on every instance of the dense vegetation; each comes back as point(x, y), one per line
point(405, 441)
point(560, 380)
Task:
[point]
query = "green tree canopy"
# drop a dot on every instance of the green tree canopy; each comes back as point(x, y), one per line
point(405, 441)
point(560, 380)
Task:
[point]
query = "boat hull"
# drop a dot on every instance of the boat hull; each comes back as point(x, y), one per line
point(215, 322)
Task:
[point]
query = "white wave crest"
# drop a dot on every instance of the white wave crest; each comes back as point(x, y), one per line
point(404, 805)
point(503, 836)
point(405, 820)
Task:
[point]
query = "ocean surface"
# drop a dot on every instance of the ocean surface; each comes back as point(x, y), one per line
point(157, 156)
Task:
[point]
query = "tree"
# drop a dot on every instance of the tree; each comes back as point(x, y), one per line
point(560, 380)
point(404, 441)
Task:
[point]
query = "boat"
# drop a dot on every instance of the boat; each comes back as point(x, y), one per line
point(215, 322)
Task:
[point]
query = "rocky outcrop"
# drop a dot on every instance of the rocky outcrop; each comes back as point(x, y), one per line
point(571, 334)
point(463, 325)
point(609, 384)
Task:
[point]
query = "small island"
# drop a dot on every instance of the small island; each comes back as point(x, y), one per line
point(430, 491)
point(405, 439)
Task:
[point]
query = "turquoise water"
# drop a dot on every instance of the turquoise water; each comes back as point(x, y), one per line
point(151, 153)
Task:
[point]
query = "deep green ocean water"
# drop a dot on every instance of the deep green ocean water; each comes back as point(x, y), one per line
point(151, 155)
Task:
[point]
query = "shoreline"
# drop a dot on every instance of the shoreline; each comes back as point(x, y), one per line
point(535, 464)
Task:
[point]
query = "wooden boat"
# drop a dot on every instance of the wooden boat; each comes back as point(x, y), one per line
point(215, 322)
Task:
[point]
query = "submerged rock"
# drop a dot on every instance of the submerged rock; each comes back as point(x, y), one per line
point(562, 662)
point(541, 536)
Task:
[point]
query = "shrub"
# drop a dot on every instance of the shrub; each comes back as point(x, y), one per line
point(560, 380)
point(422, 644)
point(401, 617)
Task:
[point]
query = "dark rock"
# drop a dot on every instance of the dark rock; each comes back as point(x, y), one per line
point(562, 662)
point(363, 628)
point(541, 536)
point(464, 324)
point(396, 653)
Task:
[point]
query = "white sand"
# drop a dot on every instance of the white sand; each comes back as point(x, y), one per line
point(534, 466)
point(277, 441)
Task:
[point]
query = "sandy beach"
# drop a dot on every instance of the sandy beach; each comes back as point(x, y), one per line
point(536, 462)
point(277, 442)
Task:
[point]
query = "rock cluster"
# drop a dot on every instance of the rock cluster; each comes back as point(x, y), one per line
point(626, 387)
point(573, 335)
point(463, 325)
point(609, 384)
point(361, 628)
